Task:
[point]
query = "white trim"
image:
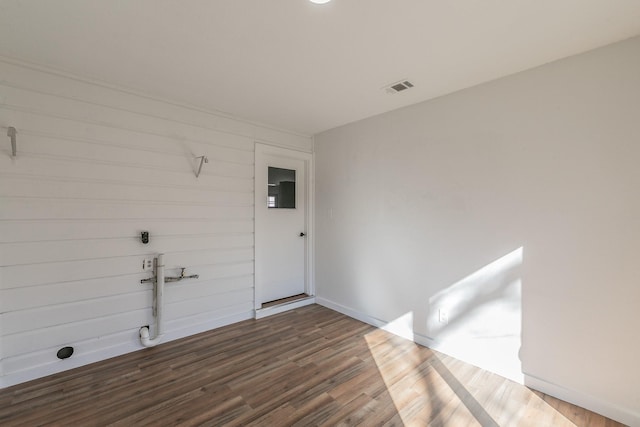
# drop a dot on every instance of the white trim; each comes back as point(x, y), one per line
point(106, 353)
point(623, 415)
point(282, 151)
point(589, 402)
point(311, 274)
point(350, 312)
point(282, 145)
point(261, 149)
point(281, 308)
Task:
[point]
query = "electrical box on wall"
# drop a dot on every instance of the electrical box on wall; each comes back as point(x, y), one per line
point(443, 315)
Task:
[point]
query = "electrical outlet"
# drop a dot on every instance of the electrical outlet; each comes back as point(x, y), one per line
point(147, 264)
point(443, 316)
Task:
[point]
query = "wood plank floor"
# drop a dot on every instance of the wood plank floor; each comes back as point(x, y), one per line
point(311, 366)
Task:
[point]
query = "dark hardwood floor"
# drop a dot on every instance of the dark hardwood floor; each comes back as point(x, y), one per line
point(311, 366)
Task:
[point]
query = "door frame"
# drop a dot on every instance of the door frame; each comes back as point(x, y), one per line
point(261, 151)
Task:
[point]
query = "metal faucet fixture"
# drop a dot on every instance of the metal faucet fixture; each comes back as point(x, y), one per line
point(182, 276)
point(171, 279)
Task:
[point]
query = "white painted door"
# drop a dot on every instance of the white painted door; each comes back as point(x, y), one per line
point(281, 205)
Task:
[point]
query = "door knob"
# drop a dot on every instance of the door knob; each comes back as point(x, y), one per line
point(302, 234)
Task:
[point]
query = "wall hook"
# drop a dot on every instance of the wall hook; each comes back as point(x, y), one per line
point(203, 159)
point(11, 133)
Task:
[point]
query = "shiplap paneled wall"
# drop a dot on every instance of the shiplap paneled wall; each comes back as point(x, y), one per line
point(97, 165)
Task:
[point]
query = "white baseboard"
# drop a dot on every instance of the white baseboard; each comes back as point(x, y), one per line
point(207, 326)
point(350, 312)
point(591, 403)
point(76, 361)
point(270, 311)
point(373, 321)
point(10, 379)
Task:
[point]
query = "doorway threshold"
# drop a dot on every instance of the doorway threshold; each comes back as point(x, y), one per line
point(285, 304)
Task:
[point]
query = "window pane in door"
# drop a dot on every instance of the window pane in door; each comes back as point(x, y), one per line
point(281, 188)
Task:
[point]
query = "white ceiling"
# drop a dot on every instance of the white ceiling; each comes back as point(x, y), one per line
point(300, 66)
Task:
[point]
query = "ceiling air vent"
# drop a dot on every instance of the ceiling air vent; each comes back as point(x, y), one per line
point(398, 86)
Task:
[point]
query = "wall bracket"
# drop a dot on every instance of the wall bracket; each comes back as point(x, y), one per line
point(11, 133)
point(203, 159)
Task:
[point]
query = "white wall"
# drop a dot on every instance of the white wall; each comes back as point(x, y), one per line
point(96, 166)
point(411, 203)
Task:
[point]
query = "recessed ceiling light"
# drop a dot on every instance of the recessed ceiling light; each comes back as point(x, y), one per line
point(319, 1)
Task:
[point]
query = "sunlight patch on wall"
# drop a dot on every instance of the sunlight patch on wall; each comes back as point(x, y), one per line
point(401, 326)
point(479, 318)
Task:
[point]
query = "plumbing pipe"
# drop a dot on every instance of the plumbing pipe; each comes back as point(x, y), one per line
point(158, 302)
